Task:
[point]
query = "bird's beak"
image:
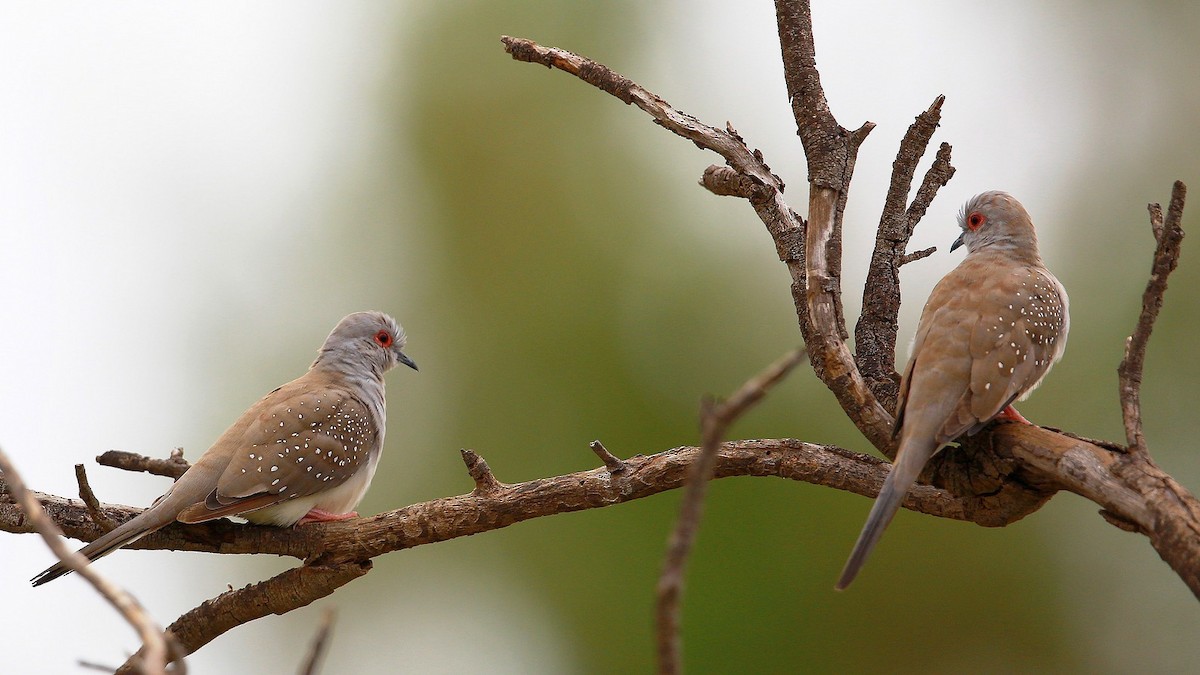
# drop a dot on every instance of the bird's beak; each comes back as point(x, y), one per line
point(406, 361)
point(958, 242)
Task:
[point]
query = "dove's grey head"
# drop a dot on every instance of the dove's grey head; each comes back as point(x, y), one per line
point(996, 221)
point(362, 343)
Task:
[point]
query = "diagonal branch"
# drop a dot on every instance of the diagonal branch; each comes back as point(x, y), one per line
point(715, 419)
point(748, 175)
point(1168, 235)
point(289, 590)
point(319, 645)
point(90, 501)
point(153, 658)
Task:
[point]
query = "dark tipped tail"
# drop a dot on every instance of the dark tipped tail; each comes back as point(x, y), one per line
point(881, 516)
point(113, 540)
point(901, 478)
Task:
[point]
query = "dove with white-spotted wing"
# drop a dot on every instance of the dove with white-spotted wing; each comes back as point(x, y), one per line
point(989, 333)
point(305, 452)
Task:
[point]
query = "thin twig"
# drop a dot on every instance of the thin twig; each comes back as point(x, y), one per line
point(154, 660)
point(172, 467)
point(1168, 234)
point(320, 643)
point(611, 461)
point(913, 257)
point(89, 500)
point(715, 418)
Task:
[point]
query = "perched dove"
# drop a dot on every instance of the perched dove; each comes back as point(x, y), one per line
point(305, 452)
point(990, 332)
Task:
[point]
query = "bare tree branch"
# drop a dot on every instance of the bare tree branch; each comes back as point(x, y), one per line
point(875, 334)
point(715, 418)
point(1001, 474)
point(1168, 236)
point(753, 178)
point(831, 151)
point(171, 467)
point(320, 643)
point(995, 478)
point(1041, 461)
point(89, 499)
point(153, 659)
point(289, 590)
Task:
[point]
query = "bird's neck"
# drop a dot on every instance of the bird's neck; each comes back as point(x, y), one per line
point(364, 382)
point(1010, 251)
point(351, 368)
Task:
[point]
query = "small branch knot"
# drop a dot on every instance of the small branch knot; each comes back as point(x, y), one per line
point(724, 181)
point(611, 461)
point(485, 481)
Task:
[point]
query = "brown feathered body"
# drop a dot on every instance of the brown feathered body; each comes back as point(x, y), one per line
point(989, 333)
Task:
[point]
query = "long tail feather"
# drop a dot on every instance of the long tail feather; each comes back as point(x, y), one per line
point(909, 462)
point(131, 531)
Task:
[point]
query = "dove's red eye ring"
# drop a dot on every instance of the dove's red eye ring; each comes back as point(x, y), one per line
point(383, 338)
point(976, 220)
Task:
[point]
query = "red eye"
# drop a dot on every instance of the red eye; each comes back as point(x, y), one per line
point(976, 220)
point(383, 338)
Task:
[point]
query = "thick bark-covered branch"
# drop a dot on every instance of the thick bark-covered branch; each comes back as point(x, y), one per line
point(831, 151)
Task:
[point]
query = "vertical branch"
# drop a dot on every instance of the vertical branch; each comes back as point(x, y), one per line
point(875, 334)
point(830, 150)
point(1168, 234)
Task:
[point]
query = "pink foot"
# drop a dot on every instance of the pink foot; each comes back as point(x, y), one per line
point(1010, 414)
point(320, 516)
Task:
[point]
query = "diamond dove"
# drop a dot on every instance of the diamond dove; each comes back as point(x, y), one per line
point(989, 333)
point(305, 452)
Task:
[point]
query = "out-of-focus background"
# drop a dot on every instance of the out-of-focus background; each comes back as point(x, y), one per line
point(191, 196)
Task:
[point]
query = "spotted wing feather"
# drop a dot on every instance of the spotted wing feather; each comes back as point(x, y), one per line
point(299, 444)
point(1015, 342)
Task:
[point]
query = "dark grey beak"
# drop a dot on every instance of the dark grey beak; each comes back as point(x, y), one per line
point(407, 361)
point(958, 242)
